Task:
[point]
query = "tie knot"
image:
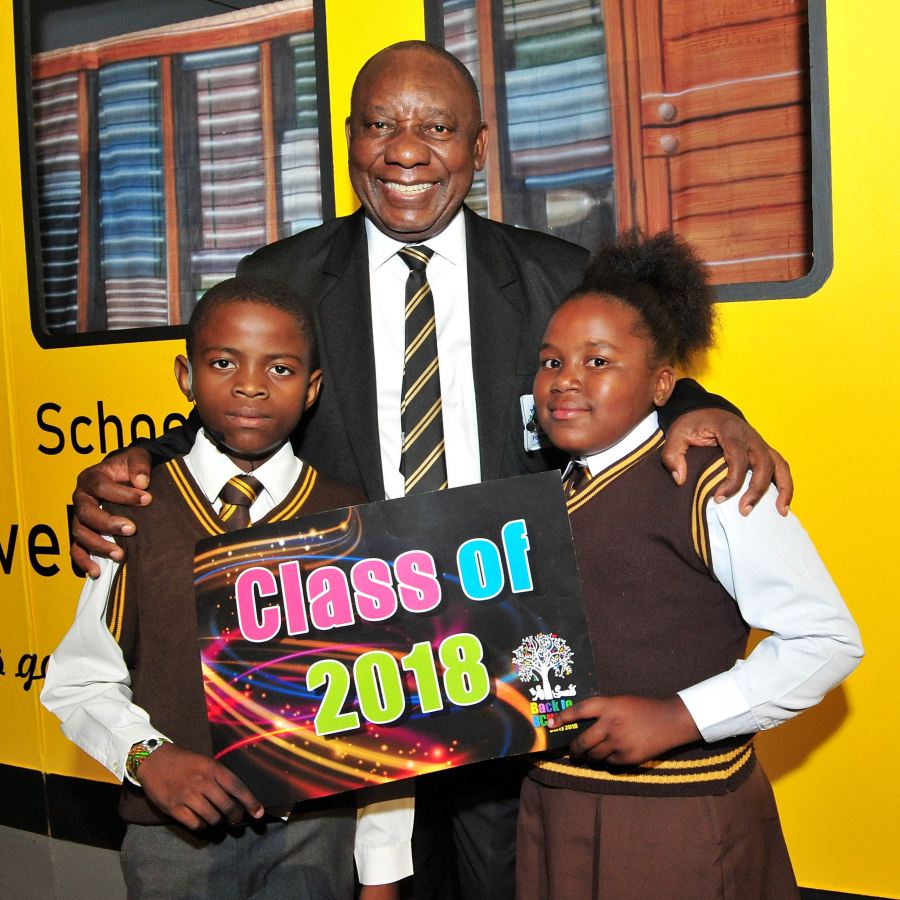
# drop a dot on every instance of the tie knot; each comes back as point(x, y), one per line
point(576, 480)
point(416, 258)
point(241, 490)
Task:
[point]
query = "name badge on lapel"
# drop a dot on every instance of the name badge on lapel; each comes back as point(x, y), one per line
point(533, 435)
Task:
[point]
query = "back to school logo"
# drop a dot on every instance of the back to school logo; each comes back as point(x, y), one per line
point(538, 657)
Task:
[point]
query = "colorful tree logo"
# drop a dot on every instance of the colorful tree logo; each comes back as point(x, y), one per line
point(537, 656)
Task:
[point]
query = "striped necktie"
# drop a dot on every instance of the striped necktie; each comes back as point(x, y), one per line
point(576, 480)
point(237, 497)
point(422, 461)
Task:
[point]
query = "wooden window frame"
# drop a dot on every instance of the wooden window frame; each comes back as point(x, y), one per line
point(194, 36)
point(627, 145)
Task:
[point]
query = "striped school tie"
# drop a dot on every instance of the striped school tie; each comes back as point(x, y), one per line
point(237, 497)
point(422, 461)
point(578, 478)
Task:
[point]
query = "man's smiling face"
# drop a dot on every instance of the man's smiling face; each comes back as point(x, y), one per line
point(416, 139)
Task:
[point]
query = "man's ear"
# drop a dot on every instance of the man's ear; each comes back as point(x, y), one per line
point(313, 388)
point(665, 384)
point(347, 127)
point(183, 376)
point(481, 147)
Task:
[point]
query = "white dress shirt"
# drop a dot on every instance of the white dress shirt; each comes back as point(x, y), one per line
point(448, 277)
point(89, 689)
point(768, 564)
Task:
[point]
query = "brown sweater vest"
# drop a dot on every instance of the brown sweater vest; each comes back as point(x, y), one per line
point(151, 610)
point(658, 619)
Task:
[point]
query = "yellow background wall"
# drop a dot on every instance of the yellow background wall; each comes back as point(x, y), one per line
point(817, 376)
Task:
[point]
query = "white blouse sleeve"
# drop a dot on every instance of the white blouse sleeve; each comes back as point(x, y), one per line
point(768, 564)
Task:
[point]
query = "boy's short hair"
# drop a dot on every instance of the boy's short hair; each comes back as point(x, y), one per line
point(661, 277)
point(254, 290)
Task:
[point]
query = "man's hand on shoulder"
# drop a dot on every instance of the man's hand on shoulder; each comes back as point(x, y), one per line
point(194, 789)
point(120, 478)
point(743, 448)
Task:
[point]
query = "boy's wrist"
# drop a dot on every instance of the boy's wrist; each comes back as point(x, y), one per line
point(139, 752)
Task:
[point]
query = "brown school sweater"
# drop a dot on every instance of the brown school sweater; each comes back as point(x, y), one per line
point(659, 620)
point(152, 614)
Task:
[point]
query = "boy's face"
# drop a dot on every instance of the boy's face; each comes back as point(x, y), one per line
point(596, 379)
point(251, 379)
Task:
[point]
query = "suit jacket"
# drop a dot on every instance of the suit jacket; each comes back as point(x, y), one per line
point(516, 279)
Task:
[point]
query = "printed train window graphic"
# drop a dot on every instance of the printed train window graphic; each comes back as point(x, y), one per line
point(163, 157)
point(690, 116)
point(158, 159)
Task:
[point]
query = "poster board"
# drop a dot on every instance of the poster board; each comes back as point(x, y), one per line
point(384, 641)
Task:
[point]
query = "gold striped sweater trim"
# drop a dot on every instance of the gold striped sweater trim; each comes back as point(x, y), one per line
point(199, 505)
point(295, 503)
point(116, 612)
point(710, 769)
point(196, 502)
point(709, 480)
point(606, 477)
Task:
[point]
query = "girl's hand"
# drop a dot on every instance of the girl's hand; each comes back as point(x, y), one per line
point(628, 730)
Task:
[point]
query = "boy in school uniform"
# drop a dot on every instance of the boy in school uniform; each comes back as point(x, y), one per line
point(661, 795)
point(125, 680)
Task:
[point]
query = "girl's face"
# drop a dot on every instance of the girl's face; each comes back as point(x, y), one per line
point(597, 379)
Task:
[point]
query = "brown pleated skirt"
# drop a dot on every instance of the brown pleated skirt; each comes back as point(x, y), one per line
point(574, 845)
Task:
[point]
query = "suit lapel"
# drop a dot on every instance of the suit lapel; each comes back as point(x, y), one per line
point(496, 323)
point(345, 321)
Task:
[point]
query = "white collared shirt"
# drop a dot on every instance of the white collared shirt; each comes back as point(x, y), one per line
point(768, 564)
point(89, 689)
point(448, 277)
point(212, 470)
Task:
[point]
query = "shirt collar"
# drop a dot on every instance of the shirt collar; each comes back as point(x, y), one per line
point(599, 462)
point(211, 469)
point(449, 244)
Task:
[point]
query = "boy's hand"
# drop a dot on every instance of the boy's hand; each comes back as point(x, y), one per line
point(628, 730)
point(120, 478)
point(744, 449)
point(379, 891)
point(194, 789)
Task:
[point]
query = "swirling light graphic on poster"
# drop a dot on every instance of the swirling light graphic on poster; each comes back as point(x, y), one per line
point(263, 713)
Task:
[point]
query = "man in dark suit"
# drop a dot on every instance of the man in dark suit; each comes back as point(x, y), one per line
point(416, 138)
point(516, 278)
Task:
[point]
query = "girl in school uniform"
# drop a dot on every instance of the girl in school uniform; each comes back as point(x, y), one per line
point(662, 795)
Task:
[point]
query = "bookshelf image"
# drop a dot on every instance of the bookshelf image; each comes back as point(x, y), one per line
point(163, 157)
point(604, 116)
